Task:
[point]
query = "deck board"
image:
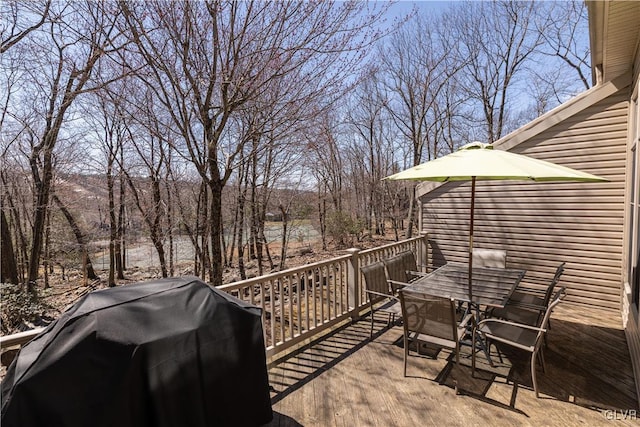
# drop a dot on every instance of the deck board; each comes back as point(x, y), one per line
point(348, 380)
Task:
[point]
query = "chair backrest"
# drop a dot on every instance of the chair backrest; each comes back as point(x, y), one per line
point(428, 315)
point(375, 279)
point(409, 260)
point(559, 271)
point(489, 258)
point(554, 282)
point(557, 298)
point(396, 270)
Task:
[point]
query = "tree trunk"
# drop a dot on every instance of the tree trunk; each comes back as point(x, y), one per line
point(21, 252)
point(121, 249)
point(80, 239)
point(170, 233)
point(215, 222)
point(47, 250)
point(8, 270)
point(266, 249)
point(240, 236)
point(42, 186)
point(156, 229)
point(410, 216)
point(322, 215)
point(113, 225)
point(285, 224)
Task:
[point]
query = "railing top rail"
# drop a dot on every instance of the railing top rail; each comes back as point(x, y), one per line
point(278, 274)
point(19, 338)
point(392, 244)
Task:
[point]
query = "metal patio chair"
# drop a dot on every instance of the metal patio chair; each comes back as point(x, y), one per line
point(379, 292)
point(396, 273)
point(401, 270)
point(411, 265)
point(518, 335)
point(528, 304)
point(428, 318)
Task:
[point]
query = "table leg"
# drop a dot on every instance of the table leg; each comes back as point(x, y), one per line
point(477, 342)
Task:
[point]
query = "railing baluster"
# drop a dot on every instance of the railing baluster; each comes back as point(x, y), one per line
point(272, 303)
point(334, 287)
point(315, 296)
point(323, 283)
point(309, 285)
point(299, 303)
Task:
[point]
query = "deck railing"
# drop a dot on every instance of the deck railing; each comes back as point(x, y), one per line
point(300, 303)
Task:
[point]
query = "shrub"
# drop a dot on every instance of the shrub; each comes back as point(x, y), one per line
point(343, 229)
point(20, 309)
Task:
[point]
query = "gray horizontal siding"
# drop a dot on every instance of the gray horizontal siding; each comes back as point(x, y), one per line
point(543, 224)
point(633, 340)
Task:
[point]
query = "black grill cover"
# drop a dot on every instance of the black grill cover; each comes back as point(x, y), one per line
point(170, 352)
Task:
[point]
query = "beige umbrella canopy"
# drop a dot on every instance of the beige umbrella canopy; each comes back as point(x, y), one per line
point(478, 161)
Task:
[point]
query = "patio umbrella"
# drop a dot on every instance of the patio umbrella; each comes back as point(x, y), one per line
point(478, 161)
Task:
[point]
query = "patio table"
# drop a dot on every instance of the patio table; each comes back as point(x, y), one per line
point(491, 286)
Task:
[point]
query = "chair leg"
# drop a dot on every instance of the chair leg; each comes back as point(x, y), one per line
point(533, 373)
point(473, 352)
point(371, 332)
point(415, 342)
point(457, 353)
point(541, 357)
point(406, 353)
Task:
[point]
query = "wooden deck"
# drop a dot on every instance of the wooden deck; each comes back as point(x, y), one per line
point(348, 380)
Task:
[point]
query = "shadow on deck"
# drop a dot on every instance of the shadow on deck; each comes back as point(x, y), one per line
point(347, 379)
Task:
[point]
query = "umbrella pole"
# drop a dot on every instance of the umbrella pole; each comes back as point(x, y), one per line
point(473, 198)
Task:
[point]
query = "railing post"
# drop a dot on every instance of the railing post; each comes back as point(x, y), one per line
point(353, 282)
point(424, 251)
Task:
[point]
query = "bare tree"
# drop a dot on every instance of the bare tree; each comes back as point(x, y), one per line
point(80, 236)
point(106, 116)
point(416, 68)
point(151, 150)
point(325, 157)
point(15, 205)
point(59, 59)
point(20, 19)
point(561, 25)
point(9, 268)
point(370, 155)
point(495, 40)
point(205, 77)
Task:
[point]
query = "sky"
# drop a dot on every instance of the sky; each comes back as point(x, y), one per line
point(403, 7)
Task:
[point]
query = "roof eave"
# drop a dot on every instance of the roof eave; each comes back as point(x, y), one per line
point(597, 13)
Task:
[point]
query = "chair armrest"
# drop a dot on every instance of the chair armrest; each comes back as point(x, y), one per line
point(382, 295)
point(507, 322)
point(395, 282)
point(417, 273)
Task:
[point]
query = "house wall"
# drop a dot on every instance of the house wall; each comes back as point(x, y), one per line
point(543, 224)
point(630, 315)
